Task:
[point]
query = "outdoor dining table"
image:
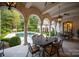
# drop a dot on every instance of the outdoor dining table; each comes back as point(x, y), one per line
point(46, 42)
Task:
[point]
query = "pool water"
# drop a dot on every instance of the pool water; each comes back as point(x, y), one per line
point(21, 34)
point(29, 37)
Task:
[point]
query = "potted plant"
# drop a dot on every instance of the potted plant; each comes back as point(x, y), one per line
point(77, 32)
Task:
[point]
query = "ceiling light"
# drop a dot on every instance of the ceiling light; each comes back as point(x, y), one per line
point(11, 4)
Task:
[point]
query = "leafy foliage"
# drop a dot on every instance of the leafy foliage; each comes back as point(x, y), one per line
point(10, 19)
point(45, 33)
point(53, 32)
point(14, 41)
point(33, 24)
point(5, 39)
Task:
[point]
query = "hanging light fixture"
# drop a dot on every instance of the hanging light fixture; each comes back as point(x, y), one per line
point(59, 17)
point(11, 4)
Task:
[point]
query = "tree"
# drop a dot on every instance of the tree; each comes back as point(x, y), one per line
point(10, 19)
point(33, 23)
point(0, 22)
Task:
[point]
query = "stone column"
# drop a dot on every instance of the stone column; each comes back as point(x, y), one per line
point(50, 29)
point(55, 26)
point(24, 12)
point(41, 27)
point(59, 26)
point(25, 31)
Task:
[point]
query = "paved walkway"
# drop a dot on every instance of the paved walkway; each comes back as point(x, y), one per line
point(70, 49)
point(17, 51)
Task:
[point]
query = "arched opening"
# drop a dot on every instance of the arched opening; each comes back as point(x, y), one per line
point(45, 27)
point(34, 27)
point(12, 22)
point(34, 23)
point(68, 29)
point(53, 28)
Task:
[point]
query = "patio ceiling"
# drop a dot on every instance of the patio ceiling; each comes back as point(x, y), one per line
point(70, 8)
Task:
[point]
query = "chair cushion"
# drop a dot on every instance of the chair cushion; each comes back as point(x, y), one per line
point(35, 49)
point(50, 50)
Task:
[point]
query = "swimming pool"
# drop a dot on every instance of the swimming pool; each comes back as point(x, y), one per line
point(29, 36)
point(21, 34)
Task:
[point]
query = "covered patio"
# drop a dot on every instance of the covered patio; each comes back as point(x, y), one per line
point(60, 18)
point(71, 49)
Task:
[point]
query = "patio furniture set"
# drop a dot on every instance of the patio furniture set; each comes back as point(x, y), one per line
point(42, 46)
point(45, 46)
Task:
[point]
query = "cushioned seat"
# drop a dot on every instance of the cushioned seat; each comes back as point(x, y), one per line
point(50, 50)
point(33, 49)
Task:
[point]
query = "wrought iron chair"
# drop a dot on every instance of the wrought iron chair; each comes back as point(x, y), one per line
point(34, 38)
point(1, 48)
point(49, 50)
point(33, 50)
point(58, 46)
point(53, 48)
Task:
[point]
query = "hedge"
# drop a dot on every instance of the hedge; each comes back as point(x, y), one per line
point(14, 41)
point(5, 39)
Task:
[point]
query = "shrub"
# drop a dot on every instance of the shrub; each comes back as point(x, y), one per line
point(46, 33)
point(14, 41)
point(5, 39)
point(53, 32)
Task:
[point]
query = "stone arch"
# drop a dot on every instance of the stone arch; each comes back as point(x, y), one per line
point(38, 19)
point(26, 13)
point(31, 10)
point(14, 9)
point(45, 25)
point(47, 16)
point(21, 7)
point(34, 10)
point(36, 16)
point(50, 19)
